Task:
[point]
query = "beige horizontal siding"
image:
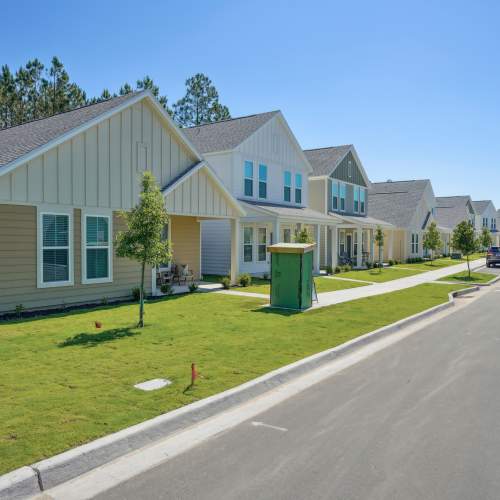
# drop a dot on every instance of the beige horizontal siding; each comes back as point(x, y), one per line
point(185, 237)
point(18, 266)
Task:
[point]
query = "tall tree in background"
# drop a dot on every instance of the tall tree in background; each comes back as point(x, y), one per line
point(432, 240)
point(464, 240)
point(200, 104)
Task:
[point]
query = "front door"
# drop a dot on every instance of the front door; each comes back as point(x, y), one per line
point(349, 245)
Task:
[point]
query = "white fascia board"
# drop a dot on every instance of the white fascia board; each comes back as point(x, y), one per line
point(98, 119)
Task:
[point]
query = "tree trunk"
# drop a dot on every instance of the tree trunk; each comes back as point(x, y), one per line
point(468, 266)
point(141, 302)
point(380, 258)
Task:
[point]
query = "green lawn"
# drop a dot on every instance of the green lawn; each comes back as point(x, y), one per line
point(387, 274)
point(475, 277)
point(64, 383)
point(322, 285)
point(438, 263)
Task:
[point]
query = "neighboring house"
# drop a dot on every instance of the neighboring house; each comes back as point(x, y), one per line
point(263, 166)
point(451, 210)
point(339, 187)
point(410, 206)
point(486, 216)
point(63, 180)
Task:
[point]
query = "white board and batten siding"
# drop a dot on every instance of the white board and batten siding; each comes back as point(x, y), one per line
point(101, 166)
point(216, 247)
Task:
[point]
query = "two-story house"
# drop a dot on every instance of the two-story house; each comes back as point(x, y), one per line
point(486, 217)
point(260, 161)
point(339, 187)
point(410, 207)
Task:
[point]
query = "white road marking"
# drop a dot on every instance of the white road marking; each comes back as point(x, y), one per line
point(275, 427)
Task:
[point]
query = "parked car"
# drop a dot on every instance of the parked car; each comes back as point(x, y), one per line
point(493, 256)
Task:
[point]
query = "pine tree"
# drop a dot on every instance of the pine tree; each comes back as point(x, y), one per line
point(200, 104)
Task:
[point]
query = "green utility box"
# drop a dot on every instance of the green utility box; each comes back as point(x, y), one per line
point(291, 275)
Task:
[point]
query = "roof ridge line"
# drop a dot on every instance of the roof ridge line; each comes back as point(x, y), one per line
point(329, 147)
point(233, 119)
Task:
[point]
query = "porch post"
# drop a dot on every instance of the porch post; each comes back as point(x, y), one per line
point(276, 231)
point(335, 246)
point(235, 249)
point(372, 245)
point(390, 246)
point(359, 256)
point(317, 254)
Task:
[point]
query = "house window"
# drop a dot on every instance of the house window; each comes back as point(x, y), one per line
point(362, 200)
point(298, 188)
point(414, 243)
point(248, 244)
point(485, 222)
point(262, 181)
point(97, 249)
point(261, 244)
point(342, 243)
point(356, 199)
point(287, 235)
point(55, 249)
point(356, 243)
point(287, 189)
point(342, 197)
point(335, 195)
point(493, 224)
point(248, 178)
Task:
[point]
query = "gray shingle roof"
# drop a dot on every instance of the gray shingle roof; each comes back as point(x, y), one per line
point(325, 160)
point(451, 210)
point(20, 140)
point(227, 134)
point(299, 213)
point(396, 202)
point(480, 206)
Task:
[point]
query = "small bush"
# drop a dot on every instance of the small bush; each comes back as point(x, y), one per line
point(329, 270)
point(193, 287)
point(19, 310)
point(244, 279)
point(265, 276)
point(167, 289)
point(226, 283)
point(136, 293)
point(338, 270)
point(369, 265)
point(104, 301)
point(391, 262)
point(346, 268)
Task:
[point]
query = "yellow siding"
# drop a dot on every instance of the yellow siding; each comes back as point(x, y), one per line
point(18, 266)
point(186, 244)
point(317, 195)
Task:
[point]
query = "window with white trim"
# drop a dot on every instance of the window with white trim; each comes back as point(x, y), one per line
point(362, 200)
point(262, 181)
point(485, 221)
point(343, 190)
point(298, 188)
point(355, 243)
point(55, 249)
point(248, 187)
point(287, 235)
point(261, 244)
point(287, 185)
point(414, 243)
point(97, 248)
point(341, 243)
point(356, 199)
point(335, 195)
point(248, 244)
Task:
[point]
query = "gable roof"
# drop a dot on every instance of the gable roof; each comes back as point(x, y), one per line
point(22, 143)
point(324, 161)
point(451, 210)
point(481, 206)
point(227, 134)
point(396, 202)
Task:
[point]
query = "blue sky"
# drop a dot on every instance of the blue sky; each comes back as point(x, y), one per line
point(415, 86)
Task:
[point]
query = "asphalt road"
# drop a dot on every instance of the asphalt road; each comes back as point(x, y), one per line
point(418, 420)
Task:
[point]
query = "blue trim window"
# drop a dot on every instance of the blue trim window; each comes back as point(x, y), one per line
point(356, 199)
point(298, 188)
point(262, 181)
point(287, 186)
point(362, 200)
point(343, 190)
point(248, 178)
point(335, 195)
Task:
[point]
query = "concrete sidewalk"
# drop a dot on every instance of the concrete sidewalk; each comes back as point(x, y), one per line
point(337, 297)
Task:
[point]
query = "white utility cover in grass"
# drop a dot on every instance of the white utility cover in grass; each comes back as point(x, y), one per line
point(153, 385)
